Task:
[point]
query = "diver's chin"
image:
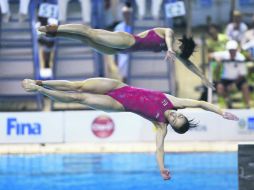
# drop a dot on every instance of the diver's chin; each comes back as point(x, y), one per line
point(170, 123)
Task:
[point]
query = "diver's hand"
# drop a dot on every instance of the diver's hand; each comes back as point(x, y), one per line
point(165, 174)
point(208, 84)
point(170, 56)
point(230, 116)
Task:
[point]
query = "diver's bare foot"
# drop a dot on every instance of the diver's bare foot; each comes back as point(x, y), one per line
point(29, 85)
point(49, 29)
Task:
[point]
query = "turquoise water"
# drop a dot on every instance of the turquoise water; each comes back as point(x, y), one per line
point(190, 171)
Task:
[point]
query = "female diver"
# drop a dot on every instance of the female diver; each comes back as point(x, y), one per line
point(112, 95)
point(107, 42)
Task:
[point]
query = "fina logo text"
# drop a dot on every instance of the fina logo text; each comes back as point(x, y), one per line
point(17, 128)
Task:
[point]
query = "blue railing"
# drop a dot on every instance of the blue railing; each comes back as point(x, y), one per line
point(97, 21)
point(32, 17)
point(0, 27)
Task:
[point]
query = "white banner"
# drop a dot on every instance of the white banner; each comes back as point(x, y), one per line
point(95, 126)
point(31, 127)
point(127, 127)
point(213, 127)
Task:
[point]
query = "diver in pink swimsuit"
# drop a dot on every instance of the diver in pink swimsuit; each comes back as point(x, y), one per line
point(146, 103)
point(107, 42)
point(112, 95)
point(151, 42)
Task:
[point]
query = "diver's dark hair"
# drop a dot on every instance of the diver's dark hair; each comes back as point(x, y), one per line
point(187, 47)
point(188, 124)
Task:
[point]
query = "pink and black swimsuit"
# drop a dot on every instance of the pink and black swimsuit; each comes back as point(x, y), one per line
point(151, 42)
point(146, 103)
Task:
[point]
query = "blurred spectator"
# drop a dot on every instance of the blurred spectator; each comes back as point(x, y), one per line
point(124, 26)
point(155, 8)
point(234, 72)
point(85, 8)
point(248, 41)
point(236, 28)
point(111, 16)
point(23, 10)
point(118, 69)
point(215, 42)
point(208, 21)
point(47, 45)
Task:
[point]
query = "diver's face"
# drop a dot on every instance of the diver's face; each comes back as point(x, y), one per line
point(176, 120)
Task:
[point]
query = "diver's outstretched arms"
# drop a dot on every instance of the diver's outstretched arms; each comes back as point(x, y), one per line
point(108, 42)
point(187, 48)
point(193, 68)
point(182, 103)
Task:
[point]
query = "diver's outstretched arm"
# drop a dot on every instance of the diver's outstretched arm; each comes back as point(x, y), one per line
point(161, 133)
point(169, 38)
point(189, 103)
point(210, 107)
point(193, 68)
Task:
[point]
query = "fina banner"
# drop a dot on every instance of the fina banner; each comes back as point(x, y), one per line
point(31, 127)
point(98, 126)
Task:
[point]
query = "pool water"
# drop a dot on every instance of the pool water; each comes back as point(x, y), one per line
point(190, 171)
